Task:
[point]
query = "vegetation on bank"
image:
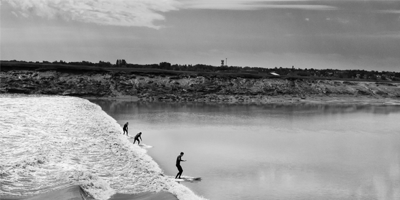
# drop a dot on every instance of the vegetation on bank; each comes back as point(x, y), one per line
point(165, 68)
point(159, 83)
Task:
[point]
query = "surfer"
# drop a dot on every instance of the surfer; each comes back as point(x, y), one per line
point(125, 128)
point(137, 137)
point(178, 165)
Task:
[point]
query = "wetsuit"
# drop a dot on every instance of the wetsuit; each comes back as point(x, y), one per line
point(125, 129)
point(178, 165)
point(137, 137)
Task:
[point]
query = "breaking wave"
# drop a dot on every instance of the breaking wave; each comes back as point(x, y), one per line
point(50, 142)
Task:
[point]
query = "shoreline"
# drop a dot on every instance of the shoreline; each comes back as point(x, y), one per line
point(324, 100)
point(270, 100)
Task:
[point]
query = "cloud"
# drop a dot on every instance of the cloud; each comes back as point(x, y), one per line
point(389, 11)
point(374, 35)
point(384, 35)
point(253, 4)
point(105, 12)
point(142, 13)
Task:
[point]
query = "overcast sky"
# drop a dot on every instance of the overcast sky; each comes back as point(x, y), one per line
point(337, 34)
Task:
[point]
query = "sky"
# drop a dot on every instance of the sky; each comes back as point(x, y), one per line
point(320, 34)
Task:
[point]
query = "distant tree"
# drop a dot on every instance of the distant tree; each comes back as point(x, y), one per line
point(104, 64)
point(121, 63)
point(165, 65)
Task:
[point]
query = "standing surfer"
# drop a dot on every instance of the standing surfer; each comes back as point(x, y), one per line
point(137, 137)
point(125, 128)
point(178, 165)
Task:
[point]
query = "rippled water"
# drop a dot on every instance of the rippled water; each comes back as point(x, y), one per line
point(290, 152)
point(48, 142)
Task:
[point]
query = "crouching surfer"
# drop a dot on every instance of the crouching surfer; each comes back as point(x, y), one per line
point(138, 138)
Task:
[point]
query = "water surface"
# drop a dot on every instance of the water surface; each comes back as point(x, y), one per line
point(273, 151)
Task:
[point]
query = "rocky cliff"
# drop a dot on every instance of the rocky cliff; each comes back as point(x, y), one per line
point(184, 87)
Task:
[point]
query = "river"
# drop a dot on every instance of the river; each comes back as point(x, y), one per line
point(290, 152)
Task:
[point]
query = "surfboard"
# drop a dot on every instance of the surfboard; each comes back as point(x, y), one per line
point(145, 146)
point(187, 179)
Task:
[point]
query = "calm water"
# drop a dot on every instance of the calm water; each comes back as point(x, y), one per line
point(273, 152)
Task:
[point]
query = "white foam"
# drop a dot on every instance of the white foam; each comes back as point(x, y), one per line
point(50, 141)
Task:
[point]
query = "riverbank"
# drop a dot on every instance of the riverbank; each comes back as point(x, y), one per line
point(331, 100)
point(199, 88)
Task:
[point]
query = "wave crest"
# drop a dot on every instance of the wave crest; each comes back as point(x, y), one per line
point(67, 140)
